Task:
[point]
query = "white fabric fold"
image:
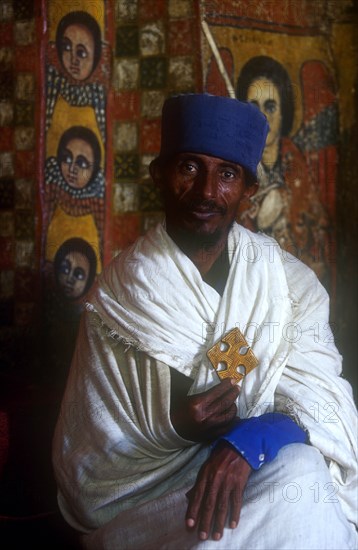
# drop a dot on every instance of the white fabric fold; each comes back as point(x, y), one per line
point(153, 299)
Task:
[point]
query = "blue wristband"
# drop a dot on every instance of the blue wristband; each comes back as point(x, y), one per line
point(259, 438)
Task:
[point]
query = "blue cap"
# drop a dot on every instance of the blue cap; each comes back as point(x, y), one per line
point(218, 126)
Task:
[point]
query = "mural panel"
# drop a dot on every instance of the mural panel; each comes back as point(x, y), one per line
point(279, 59)
point(73, 190)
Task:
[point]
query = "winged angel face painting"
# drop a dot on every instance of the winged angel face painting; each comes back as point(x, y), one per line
point(276, 56)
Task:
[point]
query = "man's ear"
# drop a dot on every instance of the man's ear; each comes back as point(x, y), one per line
point(156, 172)
point(251, 190)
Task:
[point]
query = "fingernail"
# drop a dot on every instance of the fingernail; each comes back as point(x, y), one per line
point(190, 522)
point(233, 524)
point(203, 535)
point(233, 381)
point(216, 536)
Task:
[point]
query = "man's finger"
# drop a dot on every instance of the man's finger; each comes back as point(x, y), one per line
point(227, 413)
point(207, 510)
point(226, 386)
point(221, 513)
point(195, 496)
point(222, 403)
point(236, 503)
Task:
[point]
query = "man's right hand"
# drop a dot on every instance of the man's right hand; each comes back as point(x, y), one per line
point(204, 416)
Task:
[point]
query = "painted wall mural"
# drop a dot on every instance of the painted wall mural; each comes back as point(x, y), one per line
point(74, 190)
point(73, 169)
point(77, 72)
point(280, 60)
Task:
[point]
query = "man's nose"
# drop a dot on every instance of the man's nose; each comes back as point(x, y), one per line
point(206, 184)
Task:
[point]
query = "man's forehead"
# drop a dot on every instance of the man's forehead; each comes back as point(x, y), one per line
point(203, 158)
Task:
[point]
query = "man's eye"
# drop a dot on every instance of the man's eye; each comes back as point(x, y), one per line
point(189, 168)
point(228, 175)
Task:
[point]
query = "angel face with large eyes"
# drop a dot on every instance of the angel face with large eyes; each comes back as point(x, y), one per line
point(265, 82)
point(78, 43)
point(77, 162)
point(75, 265)
point(265, 95)
point(78, 156)
point(73, 274)
point(78, 51)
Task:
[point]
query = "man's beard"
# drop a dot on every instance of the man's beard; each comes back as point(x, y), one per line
point(197, 236)
point(200, 238)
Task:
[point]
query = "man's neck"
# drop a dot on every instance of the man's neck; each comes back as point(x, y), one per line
point(201, 251)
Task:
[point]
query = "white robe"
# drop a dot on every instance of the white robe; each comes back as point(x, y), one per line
point(115, 448)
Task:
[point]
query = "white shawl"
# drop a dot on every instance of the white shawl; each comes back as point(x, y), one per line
point(153, 299)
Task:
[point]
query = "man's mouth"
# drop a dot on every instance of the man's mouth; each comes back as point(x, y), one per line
point(205, 210)
point(204, 214)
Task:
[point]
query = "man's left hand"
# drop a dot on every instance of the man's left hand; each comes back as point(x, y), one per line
point(218, 492)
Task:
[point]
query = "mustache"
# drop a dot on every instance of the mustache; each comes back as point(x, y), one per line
point(199, 205)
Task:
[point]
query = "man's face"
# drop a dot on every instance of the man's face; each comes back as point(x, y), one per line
point(201, 194)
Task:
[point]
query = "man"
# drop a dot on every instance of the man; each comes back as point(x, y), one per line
point(154, 447)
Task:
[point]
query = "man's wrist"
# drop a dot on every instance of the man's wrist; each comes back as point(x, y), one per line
point(258, 439)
